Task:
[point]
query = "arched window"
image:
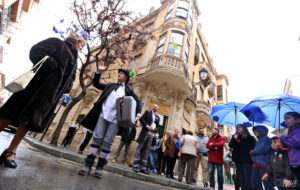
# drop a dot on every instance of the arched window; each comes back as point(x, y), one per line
point(175, 44)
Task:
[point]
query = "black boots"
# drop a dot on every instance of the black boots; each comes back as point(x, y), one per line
point(89, 162)
point(6, 162)
point(101, 163)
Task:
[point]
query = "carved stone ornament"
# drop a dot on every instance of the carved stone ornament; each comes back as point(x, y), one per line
point(176, 23)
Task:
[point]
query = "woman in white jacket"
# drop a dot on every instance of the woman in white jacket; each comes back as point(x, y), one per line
point(189, 147)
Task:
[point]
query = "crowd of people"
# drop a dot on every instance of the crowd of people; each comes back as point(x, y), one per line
point(259, 161)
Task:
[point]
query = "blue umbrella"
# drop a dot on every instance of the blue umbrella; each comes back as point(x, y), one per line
point(270, 110)
point(229, 114)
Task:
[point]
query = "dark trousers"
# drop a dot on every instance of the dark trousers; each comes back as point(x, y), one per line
point(170, 165)
point(296, 172)
point(189, 160)
point(161, 163)
point(142, 153)
point(127, 145)
point(86, 140)
point(256, 175)
point(212, 166)
point(243, 174)
point(69, 136)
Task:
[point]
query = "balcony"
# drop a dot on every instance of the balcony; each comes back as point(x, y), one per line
point(167, 69)
point(176, 23)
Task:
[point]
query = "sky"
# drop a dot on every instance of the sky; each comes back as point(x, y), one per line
point(255, 43)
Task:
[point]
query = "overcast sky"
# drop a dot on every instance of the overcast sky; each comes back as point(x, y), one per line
point(254, 42)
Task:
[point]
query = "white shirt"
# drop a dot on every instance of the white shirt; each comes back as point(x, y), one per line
point(73, 125)
point(153, 125)
point(109, 111)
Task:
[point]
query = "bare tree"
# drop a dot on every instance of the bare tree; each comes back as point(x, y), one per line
point(113, 32)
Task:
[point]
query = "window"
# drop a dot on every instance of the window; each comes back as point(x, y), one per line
point(175, 45)
point(169, 12)
point(197, 53)
point(182, 9)
point(187, 51)
point(219, 93)
point(160, 45)
point(190, 20)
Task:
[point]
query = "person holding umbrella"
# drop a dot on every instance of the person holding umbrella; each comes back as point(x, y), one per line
point(241, 143)
point(292, 140)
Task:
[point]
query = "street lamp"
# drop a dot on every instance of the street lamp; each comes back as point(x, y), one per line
point(203, 77)
point(203, 74)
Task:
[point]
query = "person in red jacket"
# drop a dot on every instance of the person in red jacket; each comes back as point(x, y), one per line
point(215, 145)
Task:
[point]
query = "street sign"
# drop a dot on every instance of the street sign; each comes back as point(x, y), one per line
point(64, 100)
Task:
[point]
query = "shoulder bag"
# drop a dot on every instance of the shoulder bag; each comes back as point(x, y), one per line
point(23, 80)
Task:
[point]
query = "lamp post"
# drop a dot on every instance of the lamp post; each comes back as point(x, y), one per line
point(203, 77)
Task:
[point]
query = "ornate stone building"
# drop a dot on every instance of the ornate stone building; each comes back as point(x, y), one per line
point(174, 71)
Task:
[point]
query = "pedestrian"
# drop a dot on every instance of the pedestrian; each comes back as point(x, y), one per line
point(279, 168)
point(231, 170)
point(32, 107)
point(128, 134)
point(102, 119)
point(88, 135)
point(241, 143)
point(189, 148)
point(161, 158)
point(73, 127)
point(171, 152)
point(215, 145)
point(292, 140)
point(150, 125)
point(202, 157)
point(260, 156)
point(153, 153)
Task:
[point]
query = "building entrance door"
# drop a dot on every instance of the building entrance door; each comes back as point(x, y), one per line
point(163, 113)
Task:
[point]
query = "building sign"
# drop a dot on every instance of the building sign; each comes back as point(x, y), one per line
point(64, 100)
point(163, 109)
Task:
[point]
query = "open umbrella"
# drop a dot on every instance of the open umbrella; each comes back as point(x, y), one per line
point(270, 110)
point(229, 114)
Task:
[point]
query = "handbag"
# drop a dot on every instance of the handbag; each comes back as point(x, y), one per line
point(23, 80)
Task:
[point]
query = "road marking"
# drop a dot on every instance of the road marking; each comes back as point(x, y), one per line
point(31, 148)
point(68, 164)
point(79, 165)
point(71, 161)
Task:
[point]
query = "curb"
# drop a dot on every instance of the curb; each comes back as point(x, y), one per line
point(66, 154)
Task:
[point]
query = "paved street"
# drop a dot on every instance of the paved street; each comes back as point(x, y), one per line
point(37, 170)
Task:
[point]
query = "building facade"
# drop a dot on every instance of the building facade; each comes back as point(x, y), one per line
point(11, 13)
point(291, 86)
point(174, 70)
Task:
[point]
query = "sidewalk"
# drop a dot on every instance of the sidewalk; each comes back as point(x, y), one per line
point(112, 167)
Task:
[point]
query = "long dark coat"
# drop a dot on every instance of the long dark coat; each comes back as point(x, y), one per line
point(241, 148)
point(145, 120)
point(91, 119)
point(35, 104)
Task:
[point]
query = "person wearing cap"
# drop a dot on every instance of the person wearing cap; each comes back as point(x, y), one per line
point(102, 119)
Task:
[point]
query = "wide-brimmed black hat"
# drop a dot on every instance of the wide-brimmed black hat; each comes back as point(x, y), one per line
point(126, 71)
